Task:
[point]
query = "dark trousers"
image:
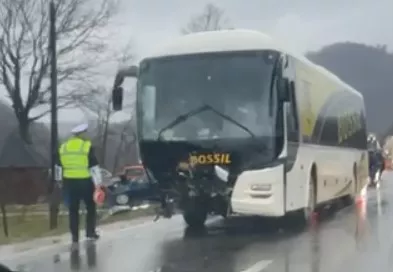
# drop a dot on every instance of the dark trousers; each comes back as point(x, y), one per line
point(77, 190)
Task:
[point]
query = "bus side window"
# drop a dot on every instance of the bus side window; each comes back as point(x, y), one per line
point(292, 116)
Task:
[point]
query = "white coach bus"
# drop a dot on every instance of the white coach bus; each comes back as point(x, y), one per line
point(229, 122)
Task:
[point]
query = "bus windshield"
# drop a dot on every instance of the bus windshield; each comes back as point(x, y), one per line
point(235, 84)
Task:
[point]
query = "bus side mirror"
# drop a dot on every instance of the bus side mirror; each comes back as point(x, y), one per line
point(132, 71)
point(117, 98)
point(117, 92)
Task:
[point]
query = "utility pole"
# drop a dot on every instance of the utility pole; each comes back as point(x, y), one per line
point(54, 201)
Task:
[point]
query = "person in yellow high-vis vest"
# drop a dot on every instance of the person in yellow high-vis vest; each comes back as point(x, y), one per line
point(78, 169)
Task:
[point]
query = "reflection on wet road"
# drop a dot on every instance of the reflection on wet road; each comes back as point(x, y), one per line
point(346, 239)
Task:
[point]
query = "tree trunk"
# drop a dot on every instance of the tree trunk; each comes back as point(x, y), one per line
point(24, 129)
point(4, 217)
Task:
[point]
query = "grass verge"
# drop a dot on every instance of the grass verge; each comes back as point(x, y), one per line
point(37, 226)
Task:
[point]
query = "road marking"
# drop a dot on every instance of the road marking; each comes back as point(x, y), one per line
point(259, 266)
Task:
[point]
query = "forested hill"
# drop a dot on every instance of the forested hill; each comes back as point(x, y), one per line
point(369, 69)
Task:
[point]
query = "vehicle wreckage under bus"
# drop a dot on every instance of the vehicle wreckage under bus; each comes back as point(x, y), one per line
point(230, 123)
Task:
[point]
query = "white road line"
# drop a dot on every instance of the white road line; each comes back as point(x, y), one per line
point(259, 266)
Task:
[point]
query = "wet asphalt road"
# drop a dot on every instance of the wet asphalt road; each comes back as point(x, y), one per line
point(343, 239)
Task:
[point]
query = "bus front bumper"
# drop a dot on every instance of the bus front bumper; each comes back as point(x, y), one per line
point(260, 192)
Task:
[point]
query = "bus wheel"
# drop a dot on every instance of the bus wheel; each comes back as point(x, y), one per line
point(311, 204)
point(303, 216)
point(349, 199)
point(195, 213)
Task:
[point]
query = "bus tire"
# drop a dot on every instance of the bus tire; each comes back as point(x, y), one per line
point(303, 216)
point(195, 213)
point(312, 198)
point(350, 198)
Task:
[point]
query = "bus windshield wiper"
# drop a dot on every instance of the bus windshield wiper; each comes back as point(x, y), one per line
point(259, 146)
point(205, 107)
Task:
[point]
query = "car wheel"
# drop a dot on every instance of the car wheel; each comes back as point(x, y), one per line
point(122, 199)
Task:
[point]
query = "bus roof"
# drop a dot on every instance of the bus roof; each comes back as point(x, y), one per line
point(235, 40)
point(216, 41)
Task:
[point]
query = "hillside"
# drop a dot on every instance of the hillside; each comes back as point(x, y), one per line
point(369, 70)
point(39, 132)
point(119, 151)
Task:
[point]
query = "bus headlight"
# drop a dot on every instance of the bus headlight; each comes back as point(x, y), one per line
point(261, 187)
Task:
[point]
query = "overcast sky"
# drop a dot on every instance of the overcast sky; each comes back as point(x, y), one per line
point(301, 24)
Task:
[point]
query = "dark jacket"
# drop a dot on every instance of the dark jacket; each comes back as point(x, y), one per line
point(376, 159)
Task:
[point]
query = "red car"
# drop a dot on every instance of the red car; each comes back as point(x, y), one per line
point(133, 171)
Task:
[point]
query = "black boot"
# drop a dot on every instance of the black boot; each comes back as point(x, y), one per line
point(93, 236)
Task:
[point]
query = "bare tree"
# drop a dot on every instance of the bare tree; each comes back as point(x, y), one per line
point(126, 142)
point(99, 104)
point(100, 107)
point(211, 18)
point(24, 57)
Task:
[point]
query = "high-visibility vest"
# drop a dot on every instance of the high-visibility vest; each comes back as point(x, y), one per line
point(74, 158)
